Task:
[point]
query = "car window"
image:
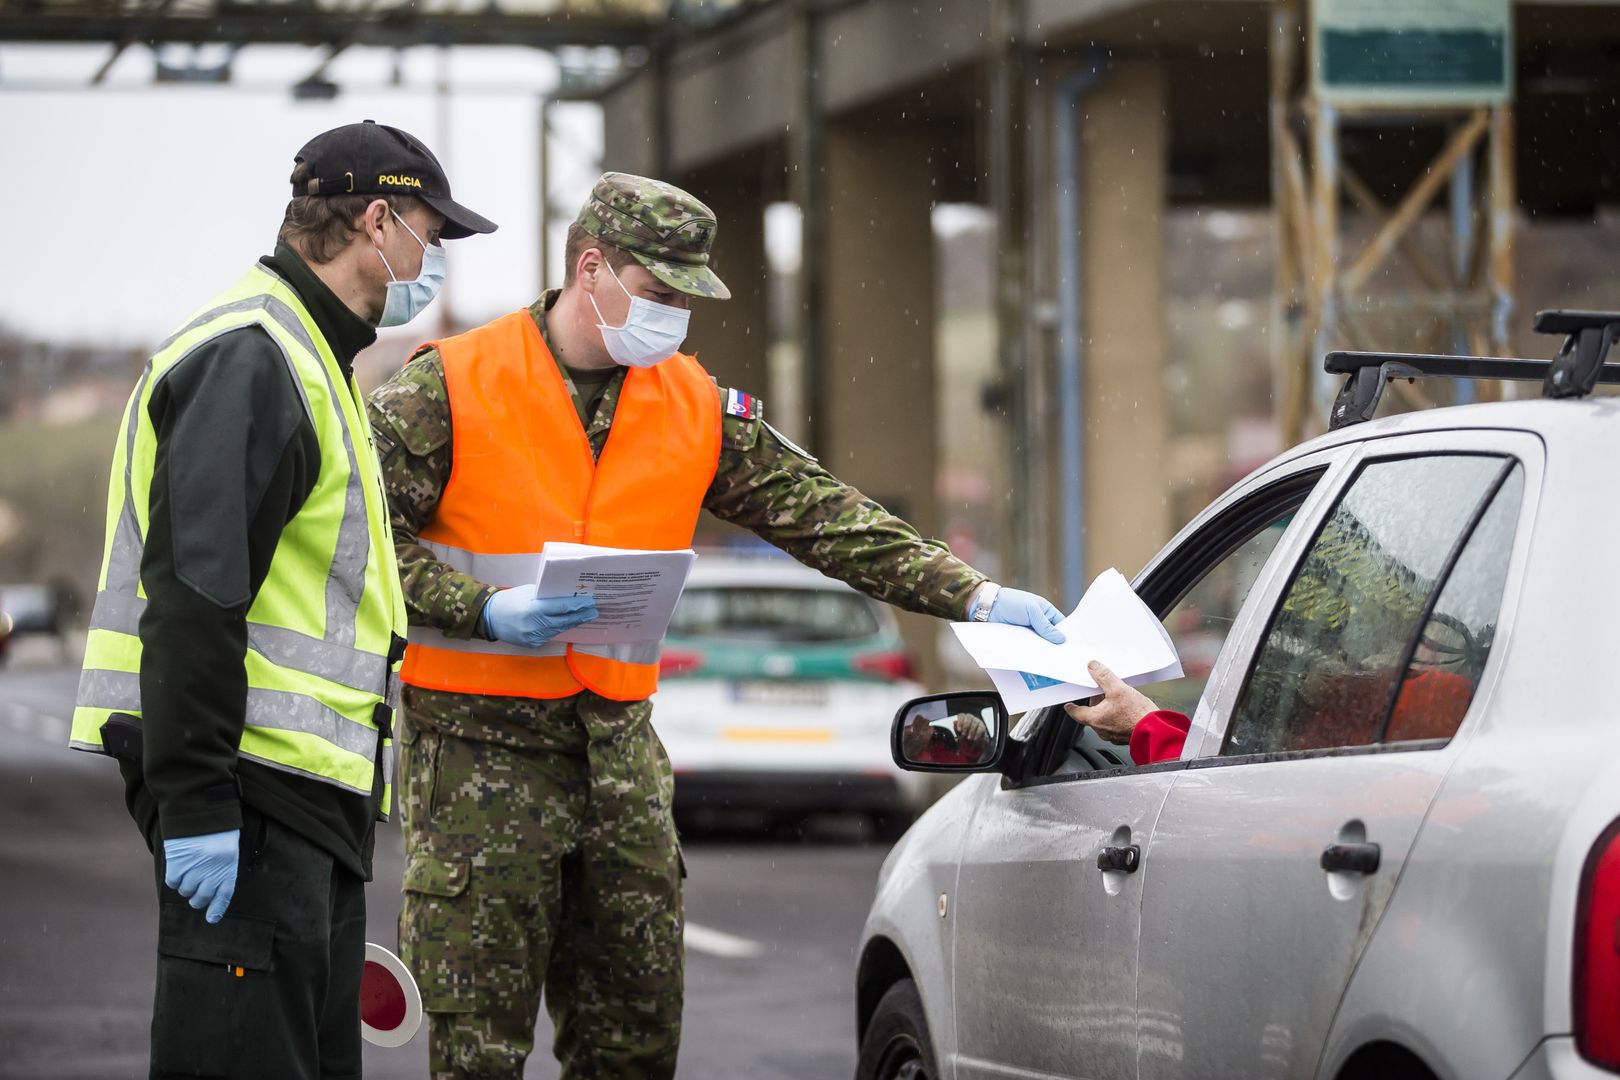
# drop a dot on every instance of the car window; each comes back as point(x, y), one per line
point(775, 615)
point(1448, 657)
point(1362, 607)
point(1199, 623)
point(1199, 590)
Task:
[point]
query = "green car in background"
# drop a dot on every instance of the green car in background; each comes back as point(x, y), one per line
point(777, 687)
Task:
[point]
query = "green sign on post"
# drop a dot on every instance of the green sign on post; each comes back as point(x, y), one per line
point(1412, 52)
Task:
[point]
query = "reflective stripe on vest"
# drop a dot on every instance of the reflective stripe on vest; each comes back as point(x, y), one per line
point(317, 672)
point(523, 474)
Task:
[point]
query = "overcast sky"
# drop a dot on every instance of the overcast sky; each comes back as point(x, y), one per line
point(130, 205)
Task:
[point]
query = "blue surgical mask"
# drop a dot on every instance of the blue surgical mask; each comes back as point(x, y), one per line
point(406, 299)
point(651, 332)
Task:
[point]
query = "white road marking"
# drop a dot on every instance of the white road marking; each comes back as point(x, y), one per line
point(54, 729)
point(38, 725)
point(719, 943)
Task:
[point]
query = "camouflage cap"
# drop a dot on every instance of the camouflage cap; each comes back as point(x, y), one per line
point(667, 230)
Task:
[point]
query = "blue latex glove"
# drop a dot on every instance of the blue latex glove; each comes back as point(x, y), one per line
point(1018, 608)
point(203, 870)
point(519, 617)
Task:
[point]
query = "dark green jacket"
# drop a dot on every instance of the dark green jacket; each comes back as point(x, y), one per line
point(236, 458)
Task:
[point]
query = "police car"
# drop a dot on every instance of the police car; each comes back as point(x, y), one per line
point(1390, 845)
point(775, 691)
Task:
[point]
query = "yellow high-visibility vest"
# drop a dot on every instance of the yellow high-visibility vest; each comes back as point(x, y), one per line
point(326, 631)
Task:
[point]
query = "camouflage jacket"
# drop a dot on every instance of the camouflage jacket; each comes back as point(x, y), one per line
point(764, 483)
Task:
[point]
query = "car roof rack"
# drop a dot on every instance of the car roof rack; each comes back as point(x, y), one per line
point(1579, 366)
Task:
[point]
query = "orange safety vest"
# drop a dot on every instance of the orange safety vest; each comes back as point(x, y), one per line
point(523, 475)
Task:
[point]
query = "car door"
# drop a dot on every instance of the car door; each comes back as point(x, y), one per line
point(1045, 941)
point(1280, 844)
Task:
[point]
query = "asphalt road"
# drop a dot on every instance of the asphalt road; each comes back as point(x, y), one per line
point(770, 944)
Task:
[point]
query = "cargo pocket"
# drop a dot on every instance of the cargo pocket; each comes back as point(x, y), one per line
point(436, 933)
point(466, 948)
point(210, 978)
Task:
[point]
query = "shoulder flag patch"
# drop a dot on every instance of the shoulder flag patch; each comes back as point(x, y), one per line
point(743, 406)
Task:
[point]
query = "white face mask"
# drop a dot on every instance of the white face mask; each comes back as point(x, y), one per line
point(651, 332)
point(406, 299)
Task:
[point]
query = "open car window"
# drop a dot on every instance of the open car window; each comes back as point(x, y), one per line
point(1198, 591)
point(1200, 621)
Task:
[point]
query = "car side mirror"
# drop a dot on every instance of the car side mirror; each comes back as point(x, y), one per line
point(950, 733)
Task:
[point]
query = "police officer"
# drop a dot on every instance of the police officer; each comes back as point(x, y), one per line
point(242, 651)
point(541, 850)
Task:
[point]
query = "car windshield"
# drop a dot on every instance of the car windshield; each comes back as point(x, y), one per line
point(776, 615)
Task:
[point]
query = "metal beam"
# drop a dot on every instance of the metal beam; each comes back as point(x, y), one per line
point(1007, 141)
point(1323, 307)
point(1504, 204)
point(284, 26)
point(106, 65)
point(1291, 226)
point(1324, 299)
point(545, 194)
point(807, 187)
point(1374, 207)
point(155, 8)
point(1416, 202)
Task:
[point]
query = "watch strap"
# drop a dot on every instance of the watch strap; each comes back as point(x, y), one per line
point(984, 601)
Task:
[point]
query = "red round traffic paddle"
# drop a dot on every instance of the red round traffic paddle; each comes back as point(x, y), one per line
point(390, 1004)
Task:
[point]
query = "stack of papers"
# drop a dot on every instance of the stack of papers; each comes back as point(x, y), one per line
point(635, 591)
point(1110, 624)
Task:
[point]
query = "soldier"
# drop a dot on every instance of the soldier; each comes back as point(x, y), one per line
point(240, 662)
point(536, 796)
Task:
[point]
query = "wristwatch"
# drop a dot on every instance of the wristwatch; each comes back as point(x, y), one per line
point(984, 601)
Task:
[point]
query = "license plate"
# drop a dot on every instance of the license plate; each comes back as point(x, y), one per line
point(779, 693)
point(779, 735)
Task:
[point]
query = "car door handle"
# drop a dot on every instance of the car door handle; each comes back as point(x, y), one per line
point(1351, 858)
point(1125, 860)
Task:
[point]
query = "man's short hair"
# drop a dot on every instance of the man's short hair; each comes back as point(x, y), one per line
point(319, 227)
point(580, 241)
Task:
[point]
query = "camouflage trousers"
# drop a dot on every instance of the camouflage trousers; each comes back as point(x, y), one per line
point(533, 870)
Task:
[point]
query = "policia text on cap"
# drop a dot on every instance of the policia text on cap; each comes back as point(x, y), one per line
point(249, 621)
point(535, 794)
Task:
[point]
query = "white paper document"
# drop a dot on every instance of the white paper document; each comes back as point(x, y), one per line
point(635, 591)
point(1110, 624)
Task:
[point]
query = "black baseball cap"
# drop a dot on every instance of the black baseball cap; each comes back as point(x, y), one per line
point(374, 159)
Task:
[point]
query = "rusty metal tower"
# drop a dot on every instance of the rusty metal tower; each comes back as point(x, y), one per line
point(1356, 268)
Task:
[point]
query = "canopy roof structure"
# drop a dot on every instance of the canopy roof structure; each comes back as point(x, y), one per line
point(342, 23)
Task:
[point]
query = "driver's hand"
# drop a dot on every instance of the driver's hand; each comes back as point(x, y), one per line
point(1121, 709)
point(971, 735)
point(914, 739)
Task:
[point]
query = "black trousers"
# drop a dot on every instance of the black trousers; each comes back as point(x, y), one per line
point(271, 991)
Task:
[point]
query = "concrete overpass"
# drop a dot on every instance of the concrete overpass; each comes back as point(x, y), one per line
point(867, 114)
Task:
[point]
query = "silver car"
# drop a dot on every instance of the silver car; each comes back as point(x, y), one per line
point(1390, 846)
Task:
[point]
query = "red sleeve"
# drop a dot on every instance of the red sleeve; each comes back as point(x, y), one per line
point(1159, 736)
